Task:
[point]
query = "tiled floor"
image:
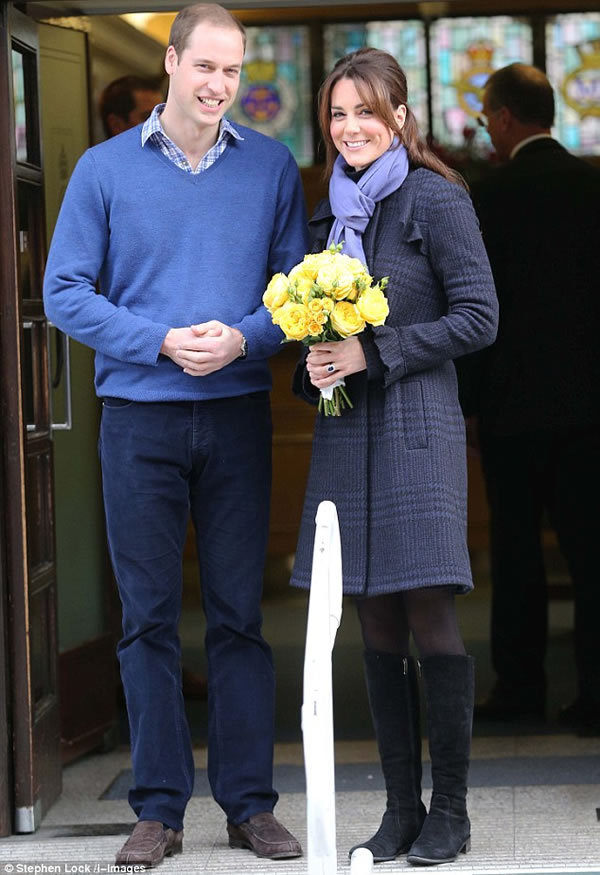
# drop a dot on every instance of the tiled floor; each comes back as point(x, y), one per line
point(514, 829)
point(552, 826)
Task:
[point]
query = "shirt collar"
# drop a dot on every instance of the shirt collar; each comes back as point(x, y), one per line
point(526, 142)
point(152, 125)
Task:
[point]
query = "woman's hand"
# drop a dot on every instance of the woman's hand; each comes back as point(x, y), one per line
point(328, 362)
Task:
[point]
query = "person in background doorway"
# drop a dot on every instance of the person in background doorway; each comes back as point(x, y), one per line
point(181, 221)
point(128, 101)
point(535, 394)
point(395, 464)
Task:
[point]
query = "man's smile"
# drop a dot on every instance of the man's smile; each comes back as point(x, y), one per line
point(211, 102)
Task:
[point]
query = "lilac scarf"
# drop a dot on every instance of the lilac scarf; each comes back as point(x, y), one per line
point(353, 203)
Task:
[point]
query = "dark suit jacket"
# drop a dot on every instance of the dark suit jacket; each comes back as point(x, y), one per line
point(540, 218)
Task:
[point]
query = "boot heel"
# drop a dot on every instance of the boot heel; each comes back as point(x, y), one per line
point(466, 847)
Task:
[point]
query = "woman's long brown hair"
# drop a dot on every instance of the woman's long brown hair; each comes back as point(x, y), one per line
point(381, 83)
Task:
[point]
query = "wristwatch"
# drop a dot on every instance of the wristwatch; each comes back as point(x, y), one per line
point(243, 348)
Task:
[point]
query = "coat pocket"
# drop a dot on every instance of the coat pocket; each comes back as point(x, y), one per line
point(413, 415)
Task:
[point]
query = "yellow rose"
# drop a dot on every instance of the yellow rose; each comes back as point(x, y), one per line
point(315, 327)
point(373, 306)
point(359, 271)
point(301, 281)
point(336, 281)
point(317, 310)
point(346, 319)
point(276, 293)
point(316, 260)
point(293, 320)
point(301, 270)
point(309, 267)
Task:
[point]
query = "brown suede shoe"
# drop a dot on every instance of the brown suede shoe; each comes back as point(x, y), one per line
point(263, 834)
point(148, 844)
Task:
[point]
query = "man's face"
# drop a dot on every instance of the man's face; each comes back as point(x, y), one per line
point(496, 127)
point(145, 101)
point(205, 77)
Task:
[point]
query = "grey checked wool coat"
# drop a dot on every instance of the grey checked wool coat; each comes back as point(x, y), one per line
point(395, 464)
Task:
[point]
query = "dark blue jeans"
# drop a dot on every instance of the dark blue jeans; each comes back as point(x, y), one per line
point(159, 461)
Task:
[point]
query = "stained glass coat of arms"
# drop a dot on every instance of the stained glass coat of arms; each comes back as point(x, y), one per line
point(573, 67)
point(275, 90)
point(464, 52)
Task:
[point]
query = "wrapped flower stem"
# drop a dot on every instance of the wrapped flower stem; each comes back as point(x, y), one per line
point(334, 399)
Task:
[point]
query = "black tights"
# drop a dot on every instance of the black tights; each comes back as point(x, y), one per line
point(388, 620)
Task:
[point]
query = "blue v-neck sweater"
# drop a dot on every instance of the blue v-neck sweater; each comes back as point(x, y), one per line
point(169, 249)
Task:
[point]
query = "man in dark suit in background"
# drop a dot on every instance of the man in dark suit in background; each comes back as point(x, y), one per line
point(538, 392)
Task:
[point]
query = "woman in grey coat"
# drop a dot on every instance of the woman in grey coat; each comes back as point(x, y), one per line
point(395, 464)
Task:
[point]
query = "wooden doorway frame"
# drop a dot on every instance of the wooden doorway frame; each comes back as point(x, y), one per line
point(5, 730)
point(29, 576)
point(8, 284)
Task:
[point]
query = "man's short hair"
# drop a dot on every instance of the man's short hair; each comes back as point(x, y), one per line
point(525, 91)
point(190, 17)
point(118, 97)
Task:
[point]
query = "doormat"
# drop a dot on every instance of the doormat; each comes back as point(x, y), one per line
point(362, 777)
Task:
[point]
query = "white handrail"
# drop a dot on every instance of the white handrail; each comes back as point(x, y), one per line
point(361, 862)
point(324, 615)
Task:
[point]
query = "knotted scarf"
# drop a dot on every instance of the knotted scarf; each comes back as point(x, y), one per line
point(353, 202)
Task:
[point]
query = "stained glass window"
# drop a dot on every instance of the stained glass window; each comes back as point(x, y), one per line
point(573, 67)
point(405, 40)
point(464, 52)
point(275, 89)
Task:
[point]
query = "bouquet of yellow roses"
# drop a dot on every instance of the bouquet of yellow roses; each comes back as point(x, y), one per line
point(328, 296)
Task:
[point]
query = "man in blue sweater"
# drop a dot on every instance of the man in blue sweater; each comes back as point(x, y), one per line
point(182, 221)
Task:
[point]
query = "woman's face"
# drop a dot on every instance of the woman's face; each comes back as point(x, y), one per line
point(359, 136)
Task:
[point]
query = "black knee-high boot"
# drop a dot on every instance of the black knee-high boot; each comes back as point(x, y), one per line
point(449, 689)
point(393, 690)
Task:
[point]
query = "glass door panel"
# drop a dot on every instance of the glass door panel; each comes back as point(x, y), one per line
point(25, 109)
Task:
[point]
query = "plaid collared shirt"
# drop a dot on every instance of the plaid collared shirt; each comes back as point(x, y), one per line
point(153, 129)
